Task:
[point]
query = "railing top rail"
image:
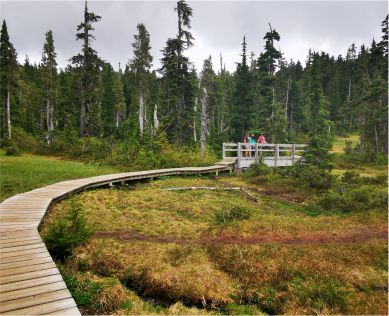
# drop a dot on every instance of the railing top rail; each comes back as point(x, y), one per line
point(260, 144)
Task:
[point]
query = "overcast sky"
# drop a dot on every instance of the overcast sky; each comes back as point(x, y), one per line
point(217, 26)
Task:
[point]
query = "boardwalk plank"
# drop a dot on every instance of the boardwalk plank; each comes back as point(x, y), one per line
point(69, 311)
point(11, 279)
point(45, 308)
point(33, 300)
point(26, 292)
point(29, 268)
point(6, 249)
point(30, 283)
point(7, 255)
point(37, 260)
point(37, 253)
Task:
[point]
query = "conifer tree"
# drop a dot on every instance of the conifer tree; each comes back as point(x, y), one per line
point(317, 152)
point(140, 66)
point(267, 65)
point(8, 67)
point(179, 80)
point(49, 80)
point(118, 99)
point(207, 91)
point(242, 109)
point(89, 66)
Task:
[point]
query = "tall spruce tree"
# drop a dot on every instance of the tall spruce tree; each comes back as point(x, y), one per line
point(89, 65)
point(140, 66)
point(49, 81)
point(207, 92)
point(267, 65)
point(242, 108)
point(179, 81)
point(317, 152)
point(8, 67)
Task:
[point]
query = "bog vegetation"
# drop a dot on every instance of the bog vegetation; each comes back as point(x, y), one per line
point(299, 249)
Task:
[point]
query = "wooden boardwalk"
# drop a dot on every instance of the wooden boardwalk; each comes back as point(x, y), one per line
point(30, 283)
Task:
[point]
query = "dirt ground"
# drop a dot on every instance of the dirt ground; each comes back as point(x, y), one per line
point(230, 239)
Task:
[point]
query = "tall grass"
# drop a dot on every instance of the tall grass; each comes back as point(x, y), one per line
point(28, 172)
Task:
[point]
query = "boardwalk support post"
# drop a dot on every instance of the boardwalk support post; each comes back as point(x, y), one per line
point(239, 154)
point(276, 155)
point(293, 154)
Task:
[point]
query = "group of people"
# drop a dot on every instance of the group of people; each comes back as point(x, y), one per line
point(250, 139)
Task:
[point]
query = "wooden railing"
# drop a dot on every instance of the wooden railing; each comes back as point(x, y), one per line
point(272, 154)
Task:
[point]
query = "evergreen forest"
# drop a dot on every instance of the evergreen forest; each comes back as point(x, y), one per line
point(140, 116)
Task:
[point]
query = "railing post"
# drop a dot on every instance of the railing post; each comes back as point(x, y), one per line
point(293, 153)
point(276, 155)
point(224, 151)
point(256, 152)
point(239, 152)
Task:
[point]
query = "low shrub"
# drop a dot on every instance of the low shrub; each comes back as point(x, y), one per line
point(238, 309)
point(231, 214)
point(377, 180)
point(351, 177)
point(95, 295)
point(258, 168)
point(359, 199)
point(314, 177)
point(320, 294)
point(64, 234)
point(12, 151)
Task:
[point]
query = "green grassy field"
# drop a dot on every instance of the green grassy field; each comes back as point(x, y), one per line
point(339, 143)
point(28, 172)
point(194, 252)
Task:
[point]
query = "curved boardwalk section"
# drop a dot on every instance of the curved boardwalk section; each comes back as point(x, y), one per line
point(30, 283)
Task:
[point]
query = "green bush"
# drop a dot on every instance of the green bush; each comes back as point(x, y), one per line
point(377, 180)
point(259, 168)
point(64, 234)
point(12, 151)
point(314, 177)
point(359, 199)
point(230, 214)
point(351, 177)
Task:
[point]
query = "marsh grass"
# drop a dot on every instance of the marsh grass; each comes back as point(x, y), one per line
point(201, 252)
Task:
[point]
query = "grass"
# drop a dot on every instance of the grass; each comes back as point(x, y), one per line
point(220, 252)
point(27, 172)
point(216, 252)
point(339, 143)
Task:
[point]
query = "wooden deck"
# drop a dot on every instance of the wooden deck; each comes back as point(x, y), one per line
point(272, 155)
point(30, 283)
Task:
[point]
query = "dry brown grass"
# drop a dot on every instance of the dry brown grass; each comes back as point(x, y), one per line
point(167, 246)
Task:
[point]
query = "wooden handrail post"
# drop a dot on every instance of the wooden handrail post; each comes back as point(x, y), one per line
point(239, 151)
point(256, 152)
point(293, 153)
point(277, 152)
point(224, 151)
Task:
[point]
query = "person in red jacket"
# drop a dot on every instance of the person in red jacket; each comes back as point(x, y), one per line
point(262, 139)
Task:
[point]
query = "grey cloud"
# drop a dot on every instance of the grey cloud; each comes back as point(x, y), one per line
point(218, 27)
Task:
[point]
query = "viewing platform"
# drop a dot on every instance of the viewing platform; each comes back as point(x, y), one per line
point(273, 155)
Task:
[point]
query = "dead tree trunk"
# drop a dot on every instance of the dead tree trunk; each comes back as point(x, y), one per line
point(83, 113)
point(8, 113)
point(286, 103)
point(155, 119)
point(141, 113)
point(194, 119)
point(203, 131)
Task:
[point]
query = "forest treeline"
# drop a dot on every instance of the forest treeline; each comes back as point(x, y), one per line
point(89, 108)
